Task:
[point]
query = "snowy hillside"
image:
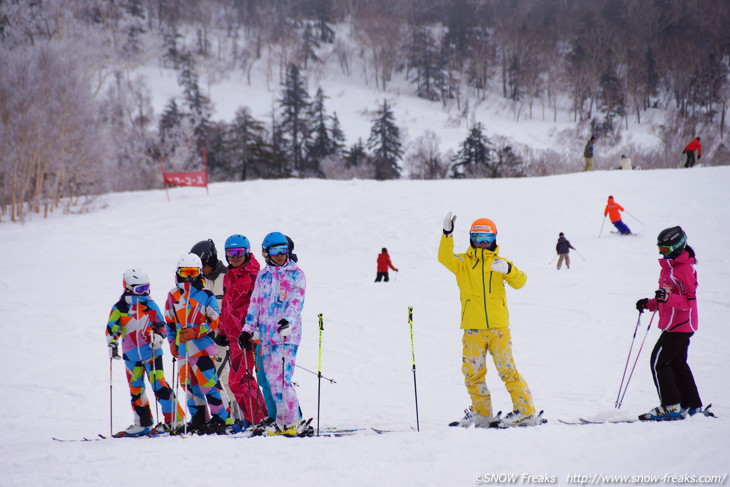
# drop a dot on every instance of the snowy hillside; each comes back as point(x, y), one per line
point(571, 331)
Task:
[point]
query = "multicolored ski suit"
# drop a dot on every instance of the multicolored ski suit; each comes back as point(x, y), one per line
point(279, 294)
point(238, 285)
point(189, 305)
point(132, 320)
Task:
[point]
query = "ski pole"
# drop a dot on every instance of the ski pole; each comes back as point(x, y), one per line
point(626, 367)
point(604, 222)
point(319, 369)
point(111, 429)
point(248, 387)
point(396, 276)
point(413, 362)
point(315, 373)
point(283, 387)
point(188, 379)
point(635, 361)
point(154, 378)
point(551, 260)
point(632, 216)
point(176, 381)
point(581, 255)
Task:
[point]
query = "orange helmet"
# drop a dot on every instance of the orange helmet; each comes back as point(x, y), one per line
point(483, 225)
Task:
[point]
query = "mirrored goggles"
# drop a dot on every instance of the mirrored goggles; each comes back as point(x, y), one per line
point(188, 272)
point(141, 289)
point(666, 249)
point(278, 250)
point(486, 238)
point(236, 252)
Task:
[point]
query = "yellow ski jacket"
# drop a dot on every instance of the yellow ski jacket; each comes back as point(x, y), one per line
point(482, 293)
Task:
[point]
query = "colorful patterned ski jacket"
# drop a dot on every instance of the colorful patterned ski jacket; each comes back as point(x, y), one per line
point(238, 286)
point(679, 277)
point(482, 291)
point(132, 319)
point(279, 293)
point(191, 305)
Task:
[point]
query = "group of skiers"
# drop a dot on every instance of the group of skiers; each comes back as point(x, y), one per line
point(235, 329)
point(692, 151)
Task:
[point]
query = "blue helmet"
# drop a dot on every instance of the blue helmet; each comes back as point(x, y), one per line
point(237, 241)
point(274, 238)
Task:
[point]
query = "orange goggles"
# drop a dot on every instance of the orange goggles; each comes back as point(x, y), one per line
point(188, 272)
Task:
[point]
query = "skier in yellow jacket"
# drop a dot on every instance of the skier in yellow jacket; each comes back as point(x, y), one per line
point(481, 274)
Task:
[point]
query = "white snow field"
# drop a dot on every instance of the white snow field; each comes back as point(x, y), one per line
point(571, 331)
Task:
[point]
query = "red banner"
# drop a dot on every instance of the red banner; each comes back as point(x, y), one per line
point(198, 178)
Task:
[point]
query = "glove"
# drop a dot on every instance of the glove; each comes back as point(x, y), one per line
point(221, 340)
point(661, 295)
point(157, 341)
point(187, 334)
point(449, 223)
point(641, 304)
point(284, 328)
point(244, 341)
point(502, 266)
point(173, 350)
point(114, 351)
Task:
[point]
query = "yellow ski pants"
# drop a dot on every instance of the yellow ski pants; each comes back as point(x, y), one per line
point(498, 342)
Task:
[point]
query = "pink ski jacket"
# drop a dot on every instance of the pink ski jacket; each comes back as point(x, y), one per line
point(679, 278)
point(237, 288)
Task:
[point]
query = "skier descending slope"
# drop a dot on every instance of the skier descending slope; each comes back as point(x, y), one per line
point(481, 274)
point(677, 305)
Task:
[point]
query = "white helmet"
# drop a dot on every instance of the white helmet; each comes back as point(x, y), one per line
point(135, 280)
point(189, 261)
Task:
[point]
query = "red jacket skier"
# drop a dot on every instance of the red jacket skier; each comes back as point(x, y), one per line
point(689, 151)
point(383, 264)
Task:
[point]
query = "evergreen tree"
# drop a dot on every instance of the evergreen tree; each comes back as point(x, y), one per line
point(424, 58)
point(294, 103)
point(247, 146)
point(356, 155)
point(474, 159)
point(385, 144)
point(320, 143)
point(198, 103)
point(337, 136)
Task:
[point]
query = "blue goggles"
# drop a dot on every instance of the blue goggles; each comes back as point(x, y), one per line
point(278, 250)
point(487, 238)
point(141, 289)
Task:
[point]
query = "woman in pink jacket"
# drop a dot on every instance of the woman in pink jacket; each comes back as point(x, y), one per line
point(677, 305)
point(238, 286)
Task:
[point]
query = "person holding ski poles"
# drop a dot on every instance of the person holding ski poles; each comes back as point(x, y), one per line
point(613, 210)
point(137, 321)
point(676, 302)
point(480, 274)
point(563, 249)
point(238, 286)
point(192, 316)
point(275, 312)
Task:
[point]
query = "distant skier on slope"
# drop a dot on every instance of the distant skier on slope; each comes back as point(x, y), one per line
point(676, 302)
point(689, 151)
point(137, 321)
point(383, 264)
point(563, 249)
point(613, 210)
point(481, 274)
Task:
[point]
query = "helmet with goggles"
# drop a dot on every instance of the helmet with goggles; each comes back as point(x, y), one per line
point(237, 246)
point(275, 244)
point(136, 281)
point(483, 230)
point(189, 268)
point(671, 242)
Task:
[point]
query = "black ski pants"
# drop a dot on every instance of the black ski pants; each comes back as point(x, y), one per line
point(382, 276)
point(672, 376)
point(690, 158)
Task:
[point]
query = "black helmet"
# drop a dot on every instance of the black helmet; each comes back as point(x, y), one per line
point(671, 241)
point(205, 249)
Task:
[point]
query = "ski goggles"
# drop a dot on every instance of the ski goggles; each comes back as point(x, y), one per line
point(487, 238)
point(278, 250)
point(236, 252)
point(188, 272)
point(141, 289)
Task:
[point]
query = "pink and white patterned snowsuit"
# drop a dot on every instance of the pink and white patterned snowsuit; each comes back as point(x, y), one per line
point(279, 294)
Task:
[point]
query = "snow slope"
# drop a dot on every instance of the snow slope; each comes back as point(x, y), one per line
point(571, 330)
